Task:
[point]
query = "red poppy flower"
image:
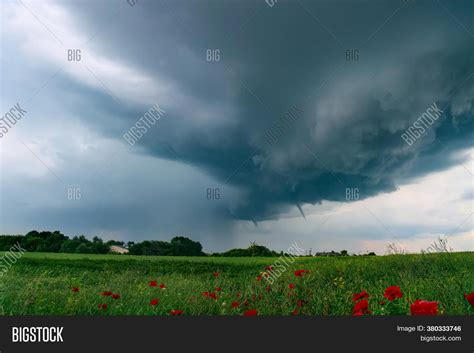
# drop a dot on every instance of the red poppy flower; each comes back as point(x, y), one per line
point(295, 312)
point(423, 307)
point(235, 304)
point(176, 312)
point(162, 286)
point(268, 288)
point(218, 289)
point(361, 305)
point(106, 294)
point(153, 284)
point(209, 295)
point(300, 303)
point(393, 292)
point(300, 273)
point(470, 298)
point(102, 306)
point(252, 312)
point(216, 274)
point(259, 278)
point(116, 296)
point(361, 308)
point(269, 268)
point(75, 289)
point(361, 295)
point(154, 301)
point(292, 286)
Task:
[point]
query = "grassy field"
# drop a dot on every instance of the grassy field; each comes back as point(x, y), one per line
point(41, 283)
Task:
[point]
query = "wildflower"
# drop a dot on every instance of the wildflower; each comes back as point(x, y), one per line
point(423, 307)
point(361, 308)
point(153, 284)
point(393, 292)
point(116, 296)
point(300, 273)
point(102, 306)
point(470, 298)
point(252, 312)
point(361, 295)
point(154, 301)
point(176, 312)
point(75, 289)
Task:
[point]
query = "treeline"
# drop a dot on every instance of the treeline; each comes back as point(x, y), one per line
point(178, 246)
point(252, 250)
point(35, 241)
point(57, 242)
point(47, 241)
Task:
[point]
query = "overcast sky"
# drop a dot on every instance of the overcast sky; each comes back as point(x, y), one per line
point(335, 83)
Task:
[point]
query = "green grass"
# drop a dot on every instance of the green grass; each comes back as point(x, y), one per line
point(40, 284)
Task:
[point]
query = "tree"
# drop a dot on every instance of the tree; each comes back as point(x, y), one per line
point(115, 242)
point(69, 246)
point(31, 243)
point(53, 241)
point(260, 250)
point(98, 247)
point(8, 241)
point(252, 250)
point(83, 249)
point(153, 247)
point(181, 246)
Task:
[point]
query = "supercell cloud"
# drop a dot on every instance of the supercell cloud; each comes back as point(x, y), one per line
point(353, 113)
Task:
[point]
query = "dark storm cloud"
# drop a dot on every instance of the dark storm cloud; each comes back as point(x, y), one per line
point(349, 134)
